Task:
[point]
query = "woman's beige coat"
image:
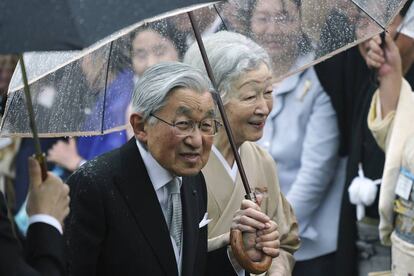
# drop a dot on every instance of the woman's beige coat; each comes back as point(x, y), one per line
point(391, 134)
point(224, 199)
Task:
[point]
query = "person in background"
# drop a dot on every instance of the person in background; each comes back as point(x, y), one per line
point(8, 146)
point(350, 85)
point(153, 43)
point(301, 134)
point(73, 153)
point(7, 65)
point(390, 120)
point(48, 205)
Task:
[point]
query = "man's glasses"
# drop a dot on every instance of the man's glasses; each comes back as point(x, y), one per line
point(183, 128)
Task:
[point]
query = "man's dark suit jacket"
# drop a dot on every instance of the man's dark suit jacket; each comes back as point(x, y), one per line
point(44, 249)
point(116, 225)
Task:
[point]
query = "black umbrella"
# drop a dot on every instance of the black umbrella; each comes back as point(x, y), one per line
point(40, 25)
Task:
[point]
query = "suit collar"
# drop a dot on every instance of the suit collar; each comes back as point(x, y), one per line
point(135, 186)
point(190, 201)
point(159, 176)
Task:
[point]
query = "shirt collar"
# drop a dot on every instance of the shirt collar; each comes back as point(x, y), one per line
point(157, 174)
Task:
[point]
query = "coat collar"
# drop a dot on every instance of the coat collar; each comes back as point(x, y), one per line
point(190, 202)
point(135, 186)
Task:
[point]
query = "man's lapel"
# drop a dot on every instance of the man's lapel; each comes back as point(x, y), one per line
point(190, 201)
point(135, 186)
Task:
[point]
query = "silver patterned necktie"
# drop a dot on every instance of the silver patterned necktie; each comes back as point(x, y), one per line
point(174, 211)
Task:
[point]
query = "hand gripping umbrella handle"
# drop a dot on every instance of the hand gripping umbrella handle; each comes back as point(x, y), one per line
point(41, 158)
point(236, 242)
point(237, 247)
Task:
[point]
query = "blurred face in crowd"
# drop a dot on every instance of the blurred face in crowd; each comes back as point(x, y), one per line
point(275, 25)
point(150, 48)
point(180, 155)
point(250, 102)
point(94, 68)
point(204, 16)
point(234, 17)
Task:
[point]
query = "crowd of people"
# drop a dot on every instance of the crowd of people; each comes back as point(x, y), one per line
point(328, 151)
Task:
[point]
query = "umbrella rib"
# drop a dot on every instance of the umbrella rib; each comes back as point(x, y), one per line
point(369, 15)
point(106, 86)
point(221, 18)
point(216, 96)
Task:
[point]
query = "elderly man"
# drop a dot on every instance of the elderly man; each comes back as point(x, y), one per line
point(141, 209)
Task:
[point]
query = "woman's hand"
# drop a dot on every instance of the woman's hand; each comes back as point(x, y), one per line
point(260, 234)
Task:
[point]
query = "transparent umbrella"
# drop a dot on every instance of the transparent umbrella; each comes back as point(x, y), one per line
point(70, 99)
point(80, 93)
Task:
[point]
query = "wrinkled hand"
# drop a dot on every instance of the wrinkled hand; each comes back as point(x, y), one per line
point(65, 154)
point(259, 232)
point(50, 197)
point(268, 240)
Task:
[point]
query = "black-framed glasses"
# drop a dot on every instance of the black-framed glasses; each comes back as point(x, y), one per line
point(207, 127)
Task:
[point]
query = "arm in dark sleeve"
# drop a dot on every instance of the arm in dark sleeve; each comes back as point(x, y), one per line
point(44, 249)
point(218, 263)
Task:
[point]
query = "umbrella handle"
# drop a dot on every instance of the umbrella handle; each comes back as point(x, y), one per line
point(41, 159)
point(237, 247)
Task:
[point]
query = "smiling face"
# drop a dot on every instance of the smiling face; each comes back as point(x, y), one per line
point(179, 155)
point(249, 104)
point(276, 26)
point(150, 48)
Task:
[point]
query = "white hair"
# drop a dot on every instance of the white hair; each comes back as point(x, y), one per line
point(154, 86)
point(230, 55)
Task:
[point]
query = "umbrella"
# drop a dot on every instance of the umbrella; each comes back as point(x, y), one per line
point(277, 25)
point(38, 25)
point(48, 25)
point(67, 98)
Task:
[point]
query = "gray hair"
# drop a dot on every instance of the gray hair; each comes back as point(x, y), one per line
point(154, 86)
point(230, 55)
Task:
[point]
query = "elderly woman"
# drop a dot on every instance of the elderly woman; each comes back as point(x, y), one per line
point(243, 73)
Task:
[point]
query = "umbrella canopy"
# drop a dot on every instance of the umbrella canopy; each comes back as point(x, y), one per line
point(86, 92)
point(38, 25)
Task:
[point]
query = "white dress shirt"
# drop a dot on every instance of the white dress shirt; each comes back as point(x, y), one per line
point(46, 219)
point(160, 177)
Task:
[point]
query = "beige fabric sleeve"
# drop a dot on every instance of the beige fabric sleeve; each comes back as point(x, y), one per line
point(380, 127)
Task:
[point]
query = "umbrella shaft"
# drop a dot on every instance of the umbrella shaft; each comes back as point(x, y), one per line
point(249, 194)
point(38, 151)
